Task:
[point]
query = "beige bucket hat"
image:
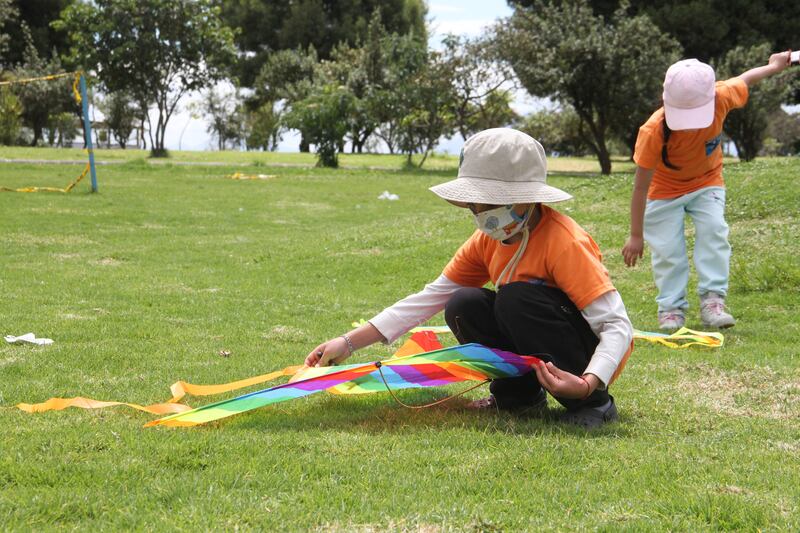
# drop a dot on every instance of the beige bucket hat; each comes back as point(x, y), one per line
point(501, 166)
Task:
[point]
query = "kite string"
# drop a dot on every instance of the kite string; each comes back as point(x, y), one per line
point(437, 402)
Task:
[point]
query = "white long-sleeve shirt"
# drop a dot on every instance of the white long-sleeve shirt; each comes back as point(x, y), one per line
point(606, 316)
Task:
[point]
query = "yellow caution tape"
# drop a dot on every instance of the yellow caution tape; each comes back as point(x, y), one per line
point(42, 78)
point(49, 77)
point(51, 189)
point(76, 92)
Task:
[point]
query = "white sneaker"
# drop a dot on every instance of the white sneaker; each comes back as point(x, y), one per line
point(712, 311)
point(671, 319)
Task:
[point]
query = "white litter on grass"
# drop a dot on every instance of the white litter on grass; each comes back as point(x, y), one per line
point(386, 195)
point(29, 338)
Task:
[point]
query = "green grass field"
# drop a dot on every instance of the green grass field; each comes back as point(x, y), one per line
point(146, 282)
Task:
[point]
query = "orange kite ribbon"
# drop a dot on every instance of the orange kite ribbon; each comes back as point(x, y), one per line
point(179, 389)
point(57, 404)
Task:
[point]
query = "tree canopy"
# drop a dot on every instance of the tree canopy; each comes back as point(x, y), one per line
point(8, 14)
point(265, 26)
point(707, 29)
point(155, 50)
point(37, 15)
point(747, 126)
point(609, 71)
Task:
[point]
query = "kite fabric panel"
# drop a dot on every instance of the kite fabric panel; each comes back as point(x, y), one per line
point(467, 362)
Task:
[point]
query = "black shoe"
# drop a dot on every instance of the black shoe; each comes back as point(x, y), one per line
point(592, 417)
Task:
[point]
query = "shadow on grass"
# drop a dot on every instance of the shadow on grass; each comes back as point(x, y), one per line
point(383, 416)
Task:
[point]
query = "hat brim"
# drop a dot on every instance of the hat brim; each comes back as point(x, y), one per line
point(489, 191)
point(690, 119)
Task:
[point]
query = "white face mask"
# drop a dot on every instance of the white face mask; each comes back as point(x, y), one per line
point(500, 223)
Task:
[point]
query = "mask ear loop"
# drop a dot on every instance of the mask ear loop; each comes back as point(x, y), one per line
point(511, 267)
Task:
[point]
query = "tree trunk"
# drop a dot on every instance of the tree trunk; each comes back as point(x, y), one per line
point(37, 135)
point(598, 142)
point(605, 159)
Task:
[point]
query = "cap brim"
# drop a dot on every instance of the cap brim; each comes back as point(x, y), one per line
point(690, 119)
point(489, 191)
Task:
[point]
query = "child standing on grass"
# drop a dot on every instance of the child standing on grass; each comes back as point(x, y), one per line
point(679, 172)
point(554, 297)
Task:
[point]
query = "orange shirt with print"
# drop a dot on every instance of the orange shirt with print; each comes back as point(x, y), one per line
point(697, 152)
point(559, 254)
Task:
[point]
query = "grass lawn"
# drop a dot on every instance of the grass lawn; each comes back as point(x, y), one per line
point(146, 282)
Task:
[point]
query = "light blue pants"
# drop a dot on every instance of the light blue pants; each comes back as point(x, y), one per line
point(664, 233)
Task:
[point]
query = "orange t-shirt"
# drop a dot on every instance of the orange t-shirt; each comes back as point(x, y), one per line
point(696, 152)
point(559, 254)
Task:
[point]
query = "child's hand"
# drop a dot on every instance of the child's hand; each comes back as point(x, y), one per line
point(780, 61)
point(633, 250)
point(562, 384)
point(333, 351)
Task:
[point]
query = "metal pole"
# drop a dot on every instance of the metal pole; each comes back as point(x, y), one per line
point(87, 130)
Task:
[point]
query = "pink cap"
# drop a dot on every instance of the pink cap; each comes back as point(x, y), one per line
point(689, 95)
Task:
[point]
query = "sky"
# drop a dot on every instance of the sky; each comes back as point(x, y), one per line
point(462, 17)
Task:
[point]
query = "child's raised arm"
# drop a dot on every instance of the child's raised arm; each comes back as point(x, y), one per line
point(777, 63)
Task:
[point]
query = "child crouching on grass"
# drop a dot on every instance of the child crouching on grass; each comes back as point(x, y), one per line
point(554, 297)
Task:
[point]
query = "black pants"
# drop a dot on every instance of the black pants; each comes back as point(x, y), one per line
point(526, 319)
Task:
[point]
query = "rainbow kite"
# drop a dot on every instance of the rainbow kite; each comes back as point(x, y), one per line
point(420, 362)
point(467, 362)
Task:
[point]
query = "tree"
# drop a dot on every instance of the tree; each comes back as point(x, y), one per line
point(10, 112)
point(322, 117)
point(707, 29)
point(287, 75)
point(494, 112)
point(36, 16)
point(266, 26)
point(360, 70)
point(8, 15)
point(481, 82)
point(747, 127)
point(41, 100)
point(156, 50)
point(783, 133)
point(559, 131)
point(121, 115)
point(609, 72)
point(263, 127)
point(428, 104)
point(227, 122)
point(403, 57)
point(62, 128)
